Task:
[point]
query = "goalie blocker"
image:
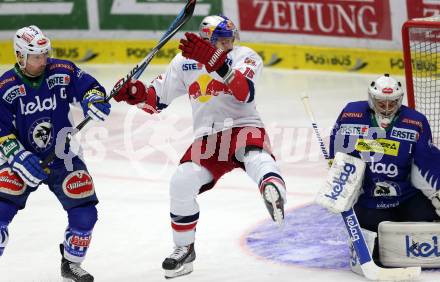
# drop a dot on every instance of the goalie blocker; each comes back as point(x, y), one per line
point(342, 186)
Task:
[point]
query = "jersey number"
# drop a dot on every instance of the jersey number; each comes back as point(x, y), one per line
point(249, 73)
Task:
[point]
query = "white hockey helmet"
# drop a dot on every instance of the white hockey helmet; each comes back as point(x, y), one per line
point(213, 27)
point(385, 89)
point(30, 40)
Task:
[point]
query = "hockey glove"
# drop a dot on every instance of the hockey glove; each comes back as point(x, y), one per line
point(24, 163)
point(95, 106)
point(435, 199)
point(133, 92)
point(194, 47)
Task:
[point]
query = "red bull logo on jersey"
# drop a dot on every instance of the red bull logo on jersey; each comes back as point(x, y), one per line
point(78, 184)
point(58, 79)
point(14, 92)
point(205, 87)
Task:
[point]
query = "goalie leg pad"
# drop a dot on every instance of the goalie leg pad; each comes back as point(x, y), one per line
point(343, 183)
point(403, 244)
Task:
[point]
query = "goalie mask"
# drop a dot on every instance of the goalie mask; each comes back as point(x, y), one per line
point(214, 27)
point(30, 41)
point(385, 96)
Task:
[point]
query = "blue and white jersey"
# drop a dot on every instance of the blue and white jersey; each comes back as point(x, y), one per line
point(36, 110)
point(390, 154)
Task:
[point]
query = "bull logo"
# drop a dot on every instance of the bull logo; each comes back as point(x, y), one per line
point(205, 87)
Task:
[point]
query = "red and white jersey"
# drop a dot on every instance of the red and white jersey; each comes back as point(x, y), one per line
point(214, 107)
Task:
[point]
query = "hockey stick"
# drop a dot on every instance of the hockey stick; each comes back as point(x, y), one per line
point(369, 268)
point(184, 15)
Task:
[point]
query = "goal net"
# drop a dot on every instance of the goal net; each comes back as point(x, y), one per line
point(421, 49)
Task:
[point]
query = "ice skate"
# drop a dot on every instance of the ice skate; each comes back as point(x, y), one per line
point(274, 202)
point(179, 262)
point(72, 272)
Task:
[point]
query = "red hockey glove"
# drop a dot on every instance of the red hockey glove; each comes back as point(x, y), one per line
point(194, 47)
point(133, 92)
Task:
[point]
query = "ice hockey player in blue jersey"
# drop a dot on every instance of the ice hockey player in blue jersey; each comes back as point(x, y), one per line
point(400, 181)
point(35, 98)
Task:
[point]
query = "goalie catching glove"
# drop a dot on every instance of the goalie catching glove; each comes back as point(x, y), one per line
point(200, 50)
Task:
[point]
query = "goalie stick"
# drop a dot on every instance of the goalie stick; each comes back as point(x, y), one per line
point(369, 268)
point(183, 17)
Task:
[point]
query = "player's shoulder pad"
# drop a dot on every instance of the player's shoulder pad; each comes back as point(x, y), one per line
point(7, 80)
point(413, 118)
point(64, 66)
point(411, 113)
point(248, 55)
point(355, 110)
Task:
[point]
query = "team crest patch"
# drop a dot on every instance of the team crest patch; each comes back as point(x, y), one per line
point(386, 189)
point(41, 134)
point(11, 183)
point(14, 92)
point(78, 184)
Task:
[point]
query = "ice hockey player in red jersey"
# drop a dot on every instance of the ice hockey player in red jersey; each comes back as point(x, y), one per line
point(219, 77)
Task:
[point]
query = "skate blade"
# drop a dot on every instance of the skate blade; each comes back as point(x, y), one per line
point(272, 197)
point(185, 269)
point(68, 280)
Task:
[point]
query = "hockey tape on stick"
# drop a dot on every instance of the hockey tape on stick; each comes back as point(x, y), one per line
point(305, 100)
point(369, 268)
point(183, 17)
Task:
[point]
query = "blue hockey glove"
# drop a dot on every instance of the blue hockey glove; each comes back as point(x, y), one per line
point(95, 106)
point(24, 163)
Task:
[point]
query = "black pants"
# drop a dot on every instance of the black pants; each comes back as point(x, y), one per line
point(416, 208)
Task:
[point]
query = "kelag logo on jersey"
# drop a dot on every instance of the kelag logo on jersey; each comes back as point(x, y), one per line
point(422, 249)
point(58, 79)
point(40, 134)
point(40, 106)
point(390, 170)
point(382, 146)
point(14, 92)
point(192, 66)
point(205, 87)
point(353, 129)
point(405, 134)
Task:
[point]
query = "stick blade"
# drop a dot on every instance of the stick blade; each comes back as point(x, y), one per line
point(399, 274)
point(376, 273)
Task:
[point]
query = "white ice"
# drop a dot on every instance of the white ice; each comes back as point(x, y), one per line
point(131, 158)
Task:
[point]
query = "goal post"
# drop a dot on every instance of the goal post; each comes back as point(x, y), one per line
point(421, 54)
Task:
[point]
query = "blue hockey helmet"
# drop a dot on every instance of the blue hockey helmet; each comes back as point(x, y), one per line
point(213, 27)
